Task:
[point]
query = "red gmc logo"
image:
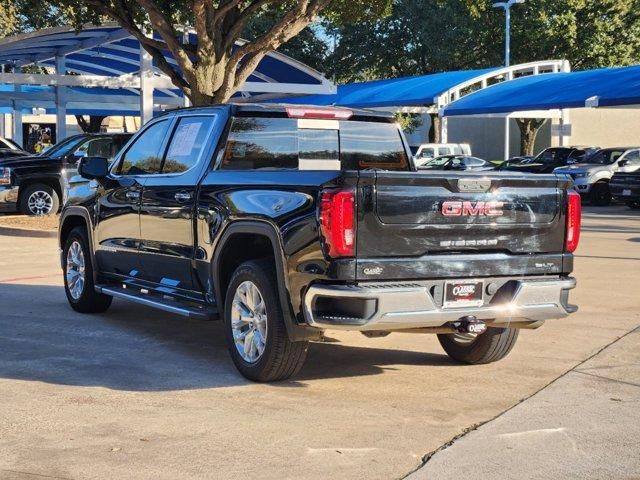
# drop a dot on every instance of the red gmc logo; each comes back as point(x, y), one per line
point(472, 209)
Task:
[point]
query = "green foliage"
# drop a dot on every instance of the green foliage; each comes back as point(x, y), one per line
point(9, 22)
point(409, 122)
point(427, 36)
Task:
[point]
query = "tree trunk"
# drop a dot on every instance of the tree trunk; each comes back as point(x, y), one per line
point(434, 130)
point(92, 125)
point(529, 128)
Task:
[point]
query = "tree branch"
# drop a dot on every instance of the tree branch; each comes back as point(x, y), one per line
point(150, 45)
point(168, 33)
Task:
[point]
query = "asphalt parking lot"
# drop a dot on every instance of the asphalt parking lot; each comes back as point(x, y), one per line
point(135, 393)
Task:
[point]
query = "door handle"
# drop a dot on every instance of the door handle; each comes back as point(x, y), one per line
point(133, 195)
point(182, 196)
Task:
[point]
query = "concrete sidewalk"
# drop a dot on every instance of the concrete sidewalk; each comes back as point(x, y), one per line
point(585, 425)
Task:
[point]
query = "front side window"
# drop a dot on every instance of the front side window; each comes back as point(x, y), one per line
point(144, 156)
point(96, 147)
point(187, 144)
point(633, 157)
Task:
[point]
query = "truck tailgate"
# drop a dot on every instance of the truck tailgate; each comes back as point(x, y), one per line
point(434, 224)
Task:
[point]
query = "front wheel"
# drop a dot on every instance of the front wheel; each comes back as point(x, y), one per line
point(490, 346)
point(254, 326)
point(634, 205)
point(78, 275)
point(39, 200)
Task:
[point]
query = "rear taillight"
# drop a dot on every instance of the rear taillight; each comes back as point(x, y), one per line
point(574, 216)
point(337, 222)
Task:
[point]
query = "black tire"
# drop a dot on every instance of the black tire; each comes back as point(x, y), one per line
point(634, 205)
point(600, 195)
point(89, 301)
point(45, 191)
point(490, 346)
point(281, 358)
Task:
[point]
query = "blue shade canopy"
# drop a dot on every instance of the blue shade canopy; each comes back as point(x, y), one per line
point(611, 87)
point(404, 91)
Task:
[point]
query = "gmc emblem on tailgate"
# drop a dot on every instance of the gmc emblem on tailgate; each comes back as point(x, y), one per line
point(472, 209)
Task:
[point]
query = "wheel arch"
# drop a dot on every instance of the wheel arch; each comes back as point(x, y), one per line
point(51, 181)
point(71, 218)
point(264, 240)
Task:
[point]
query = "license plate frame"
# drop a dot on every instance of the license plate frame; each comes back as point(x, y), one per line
point(626, 192)
point(464, 296)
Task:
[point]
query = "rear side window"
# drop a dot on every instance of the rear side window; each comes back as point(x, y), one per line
point(261, 143)
point(278, 143)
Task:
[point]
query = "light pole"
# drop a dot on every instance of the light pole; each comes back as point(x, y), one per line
point(507, 54)
point(507, 26)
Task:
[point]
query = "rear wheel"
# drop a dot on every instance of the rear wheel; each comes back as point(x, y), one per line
point(490, 346)
point(39, 199)
point(600, 194)
point(78, 278)
point(635, 205)
point(254, 326)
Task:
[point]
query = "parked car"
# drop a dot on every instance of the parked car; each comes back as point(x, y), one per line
point(457, 162)
point(592, 175)
point(34, 184)
point(286, 221)
point(549, 159)
point(428, 151)
point(626, 188)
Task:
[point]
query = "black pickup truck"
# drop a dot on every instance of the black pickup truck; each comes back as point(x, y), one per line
point(288, 221)
point(34, 184)
point(626, 188)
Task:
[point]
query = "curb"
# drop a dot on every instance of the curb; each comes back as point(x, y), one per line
point(24, 232)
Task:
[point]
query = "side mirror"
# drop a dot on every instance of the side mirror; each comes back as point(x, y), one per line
point(93, 168)
point(75, 157)
point(622, 163)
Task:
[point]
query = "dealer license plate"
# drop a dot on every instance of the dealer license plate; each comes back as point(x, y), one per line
point(626, 192)
point(463, 293)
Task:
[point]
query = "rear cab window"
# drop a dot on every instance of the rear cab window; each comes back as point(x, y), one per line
point(258, 143)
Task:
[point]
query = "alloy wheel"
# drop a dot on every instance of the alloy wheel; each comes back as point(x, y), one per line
point(40, 203)
point(249, 322)
point(75, 270)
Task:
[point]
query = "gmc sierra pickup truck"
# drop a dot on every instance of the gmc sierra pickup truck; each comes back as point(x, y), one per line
point(286, 221)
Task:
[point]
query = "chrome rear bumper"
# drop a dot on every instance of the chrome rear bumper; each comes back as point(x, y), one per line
point(412, 305)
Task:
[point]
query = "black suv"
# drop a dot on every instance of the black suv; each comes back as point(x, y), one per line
point(286, 221)
point(549, 159)
point(34, 184)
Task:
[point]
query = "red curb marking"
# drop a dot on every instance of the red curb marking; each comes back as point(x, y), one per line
point(19, 279)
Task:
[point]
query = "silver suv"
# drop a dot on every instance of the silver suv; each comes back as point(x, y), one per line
point(591, 176)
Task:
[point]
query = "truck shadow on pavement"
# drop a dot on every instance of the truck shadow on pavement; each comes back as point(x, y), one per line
point(134, 348)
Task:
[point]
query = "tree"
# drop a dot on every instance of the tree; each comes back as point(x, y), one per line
point(589, 34)
point(212, 69)
point(428, 36)
point(419, 37)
